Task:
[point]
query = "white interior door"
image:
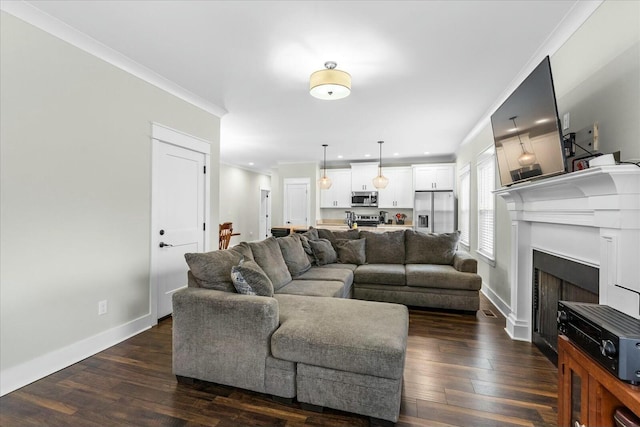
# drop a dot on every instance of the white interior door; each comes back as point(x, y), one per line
point(296, 202)
point(179, 192)
point(265, 214)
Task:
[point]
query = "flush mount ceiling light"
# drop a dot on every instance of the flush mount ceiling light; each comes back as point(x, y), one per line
point(526, 158)
point(325, 182)
point(380, 181)
point(330, 84)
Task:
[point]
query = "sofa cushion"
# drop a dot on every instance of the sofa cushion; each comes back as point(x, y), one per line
point(293, 254)
point(268, 256)
point(249, 279)
point(347, 234)
point(383, 274)
point(441, 276)
point(314, 288)
point(349, 335)
point(244, 249)
point(384, 248)
point(430, 248)
point(311, 234)
point(323, 233)
point(323, 252)
point(212, 270)
point(351, 267)
point(343, 275)
point(351, 251)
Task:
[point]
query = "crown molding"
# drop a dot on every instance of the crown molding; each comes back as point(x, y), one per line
point(39, 19)
point(579, 13)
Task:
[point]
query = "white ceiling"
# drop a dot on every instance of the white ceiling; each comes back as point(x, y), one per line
point(424, 72)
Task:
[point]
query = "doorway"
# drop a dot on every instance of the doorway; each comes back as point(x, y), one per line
point(264, 228)
point(296, 202)
point(179, 207)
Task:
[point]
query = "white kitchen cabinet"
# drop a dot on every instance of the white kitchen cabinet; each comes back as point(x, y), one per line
point(339, 195)
point(362, 175)
point(399, 191)
point(434, 177)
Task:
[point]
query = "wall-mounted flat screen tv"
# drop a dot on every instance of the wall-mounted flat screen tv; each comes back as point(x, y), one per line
point(527, 132)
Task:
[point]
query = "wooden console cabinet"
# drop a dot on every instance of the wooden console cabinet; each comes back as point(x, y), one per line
point(588, 395)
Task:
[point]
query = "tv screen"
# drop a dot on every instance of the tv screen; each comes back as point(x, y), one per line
point(527, 132)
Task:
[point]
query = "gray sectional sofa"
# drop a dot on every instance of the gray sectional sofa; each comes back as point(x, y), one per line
point(295, 331)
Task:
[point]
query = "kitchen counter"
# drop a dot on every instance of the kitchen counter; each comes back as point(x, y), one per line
point(378, 229)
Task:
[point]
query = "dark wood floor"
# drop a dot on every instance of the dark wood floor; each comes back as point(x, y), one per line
point(461, 370)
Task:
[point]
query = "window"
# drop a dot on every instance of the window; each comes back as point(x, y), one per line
point(486, 204)
point(463, 204)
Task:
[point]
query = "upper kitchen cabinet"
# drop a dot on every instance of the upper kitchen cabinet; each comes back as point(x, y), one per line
point(399, 191)
point(339, 195)
point(362, 175)
point(434, 177)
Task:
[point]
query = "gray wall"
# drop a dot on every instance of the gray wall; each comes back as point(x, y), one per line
point(240, 201)
point(597, 78)
point(76, 191)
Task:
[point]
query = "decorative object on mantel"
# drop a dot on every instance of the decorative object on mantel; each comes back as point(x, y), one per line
point(380, 181)
point(330, 84)
point(325, 182)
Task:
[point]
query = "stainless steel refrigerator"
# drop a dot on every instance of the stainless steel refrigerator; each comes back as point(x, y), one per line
point(434, 212)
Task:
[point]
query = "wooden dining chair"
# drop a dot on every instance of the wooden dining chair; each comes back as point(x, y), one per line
point(225, 232)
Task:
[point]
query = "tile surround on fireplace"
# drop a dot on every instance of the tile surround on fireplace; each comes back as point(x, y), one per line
point(591, 217)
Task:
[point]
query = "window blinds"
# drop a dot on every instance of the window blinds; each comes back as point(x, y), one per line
point(486, 204)
point(464, 205)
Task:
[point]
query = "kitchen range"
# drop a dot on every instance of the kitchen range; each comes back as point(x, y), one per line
point(371, 220)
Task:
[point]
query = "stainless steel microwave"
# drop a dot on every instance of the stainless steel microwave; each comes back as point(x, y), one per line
point(364, 198)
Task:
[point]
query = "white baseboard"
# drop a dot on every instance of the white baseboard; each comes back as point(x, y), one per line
point(500, 304)
point(19, 376)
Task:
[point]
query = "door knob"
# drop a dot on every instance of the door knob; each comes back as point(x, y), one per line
point(163, 244)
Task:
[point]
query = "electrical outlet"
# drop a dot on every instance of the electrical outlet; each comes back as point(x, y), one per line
point(566, 121)
point(102, 307)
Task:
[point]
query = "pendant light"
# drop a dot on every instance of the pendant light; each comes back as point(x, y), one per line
point(330, 84)
point(325, 182)
point(526, 158)
point(380, 181)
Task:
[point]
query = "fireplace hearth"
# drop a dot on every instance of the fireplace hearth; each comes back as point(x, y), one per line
point(557, 279)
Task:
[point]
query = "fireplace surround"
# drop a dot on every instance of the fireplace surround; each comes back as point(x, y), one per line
point(591, 217)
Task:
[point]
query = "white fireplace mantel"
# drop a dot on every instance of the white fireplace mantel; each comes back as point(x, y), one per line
point(592, 217)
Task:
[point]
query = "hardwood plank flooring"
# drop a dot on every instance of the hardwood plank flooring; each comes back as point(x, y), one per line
point(461, 370)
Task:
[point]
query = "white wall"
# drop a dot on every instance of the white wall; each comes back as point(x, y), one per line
point(597, 78)
point(240, 201)
point(75, 199)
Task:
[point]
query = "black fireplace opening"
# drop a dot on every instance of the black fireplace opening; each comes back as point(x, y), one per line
point(558, 279)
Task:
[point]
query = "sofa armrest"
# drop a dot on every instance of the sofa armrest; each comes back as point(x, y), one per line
point(223, 337)
point(464, 262)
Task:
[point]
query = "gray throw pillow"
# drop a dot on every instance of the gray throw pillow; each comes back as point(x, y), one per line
point(323, 233)
point(249, 279)
point(211, 269)
point(294, 254)
point(348, 234)
point(269, 257)
point(307, 249)
point(323, 252)
point(311, 234)
point(384, 248)
point(351, 251)
point(428, 248)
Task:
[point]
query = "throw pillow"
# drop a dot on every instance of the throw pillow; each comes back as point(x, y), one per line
point(294, 254)
point(323, 233)
point(351, 251)
point(211, 269)
point(311, 234)
point(323, 251)
point(249, 279)
point(269, 257)
point(384, 248)
point(428, 248)
point(348, 234)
